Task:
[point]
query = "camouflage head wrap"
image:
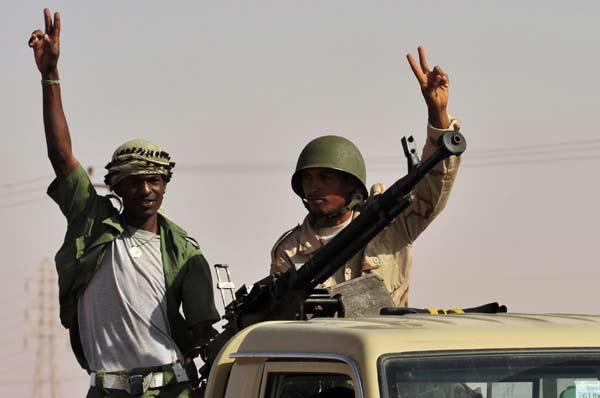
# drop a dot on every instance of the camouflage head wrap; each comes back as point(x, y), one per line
point(138, 157)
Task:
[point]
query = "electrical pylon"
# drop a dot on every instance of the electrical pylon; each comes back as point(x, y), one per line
point(45, 330)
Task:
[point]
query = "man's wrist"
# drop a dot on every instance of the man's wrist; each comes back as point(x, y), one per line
point(52, 75)
point(439, 118)
point(46, 82)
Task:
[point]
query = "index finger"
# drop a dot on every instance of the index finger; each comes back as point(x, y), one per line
point(415, 68)
point(56, 31)
point(48, 20)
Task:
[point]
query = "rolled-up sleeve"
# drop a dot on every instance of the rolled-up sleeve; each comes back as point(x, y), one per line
point(74, 194)
point(432, 193)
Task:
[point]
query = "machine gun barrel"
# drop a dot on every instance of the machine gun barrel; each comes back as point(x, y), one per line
point(377, 214)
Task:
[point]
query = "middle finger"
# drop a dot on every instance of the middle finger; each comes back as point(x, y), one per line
point(423, 59)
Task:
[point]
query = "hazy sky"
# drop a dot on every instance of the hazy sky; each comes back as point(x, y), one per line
point(234, 90)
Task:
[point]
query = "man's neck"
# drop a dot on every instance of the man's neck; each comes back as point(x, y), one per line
point(326, 222)
point(148, 224)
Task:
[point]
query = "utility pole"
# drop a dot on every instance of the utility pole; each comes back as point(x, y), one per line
point(45, 329)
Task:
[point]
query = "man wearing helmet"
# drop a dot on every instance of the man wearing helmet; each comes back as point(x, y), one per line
point(122, 276)
point(330, 178)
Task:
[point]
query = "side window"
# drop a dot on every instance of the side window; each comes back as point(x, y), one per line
point(304, 385)
point(307, 380)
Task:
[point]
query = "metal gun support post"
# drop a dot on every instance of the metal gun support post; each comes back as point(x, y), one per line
point(224, 282)
point(410, 151)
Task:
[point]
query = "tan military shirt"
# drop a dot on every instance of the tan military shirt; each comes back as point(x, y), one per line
point(389, 254)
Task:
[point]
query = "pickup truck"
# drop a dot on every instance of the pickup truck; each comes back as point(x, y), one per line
point(413, 356)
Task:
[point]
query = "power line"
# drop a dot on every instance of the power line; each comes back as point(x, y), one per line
point(532, 152)
point(535, 154)
point(24, 182)
point(22, 202)
point(388, 165)
point(562, 146)
point(535, 161)
point(508, 153)
point(544, 145)
point(265, 168)
point(477, 163)
point(20, 191)
point(238, 167)
point(382, 164)
point(573, 147)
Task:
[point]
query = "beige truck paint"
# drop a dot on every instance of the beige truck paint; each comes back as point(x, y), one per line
point(356, 344)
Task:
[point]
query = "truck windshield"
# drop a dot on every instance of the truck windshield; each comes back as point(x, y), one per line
point(517, 374)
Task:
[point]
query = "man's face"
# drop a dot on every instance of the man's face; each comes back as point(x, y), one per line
point(142, 194)
point(326, 190)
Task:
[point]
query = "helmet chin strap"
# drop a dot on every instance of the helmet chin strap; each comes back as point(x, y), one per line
point(356, 200)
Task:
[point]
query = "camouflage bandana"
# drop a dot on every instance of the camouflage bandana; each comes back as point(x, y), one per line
point(138, 157)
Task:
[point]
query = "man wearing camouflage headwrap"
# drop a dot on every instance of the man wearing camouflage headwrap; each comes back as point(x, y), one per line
point(138, 157)
point(123, 277)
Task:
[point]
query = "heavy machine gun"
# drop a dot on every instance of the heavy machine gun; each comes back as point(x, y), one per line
point(281, 296)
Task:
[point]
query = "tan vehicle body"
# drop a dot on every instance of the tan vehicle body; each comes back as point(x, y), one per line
point(353, 346)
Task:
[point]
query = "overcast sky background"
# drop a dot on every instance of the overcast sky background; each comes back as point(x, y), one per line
point(234, 90)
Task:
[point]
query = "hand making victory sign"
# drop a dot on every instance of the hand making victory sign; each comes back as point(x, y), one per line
point(435, 88)
point(46, 46)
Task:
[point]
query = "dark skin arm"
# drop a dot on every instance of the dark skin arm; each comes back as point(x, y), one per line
point(46, 51)
point(434, 87)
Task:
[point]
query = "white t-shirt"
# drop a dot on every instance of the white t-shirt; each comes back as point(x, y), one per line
point(122, 313)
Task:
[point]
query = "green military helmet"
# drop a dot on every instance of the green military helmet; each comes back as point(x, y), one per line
point(331, 152)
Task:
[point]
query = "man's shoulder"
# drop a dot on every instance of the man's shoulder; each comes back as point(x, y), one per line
point(294, 237)
point(83, 207)
point(287, 235)
point(171, 226)
point(192, 242)
point(179, 236)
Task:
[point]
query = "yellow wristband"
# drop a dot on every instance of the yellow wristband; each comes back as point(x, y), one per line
point(50, 82)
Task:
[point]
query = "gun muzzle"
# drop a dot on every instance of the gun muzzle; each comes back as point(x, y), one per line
point(454, 143)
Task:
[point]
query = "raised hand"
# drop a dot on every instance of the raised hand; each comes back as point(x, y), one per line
point(434, 86)
point(46, 50)
point(46, 46)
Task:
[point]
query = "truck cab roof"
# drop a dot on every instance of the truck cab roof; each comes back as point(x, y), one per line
point(418, 332)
